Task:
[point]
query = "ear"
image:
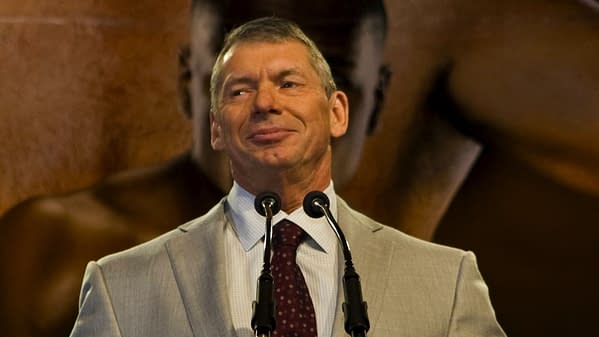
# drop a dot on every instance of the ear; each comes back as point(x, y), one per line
point(184, 80)
point(339, 113)
point(216, 134)
point(379, 97)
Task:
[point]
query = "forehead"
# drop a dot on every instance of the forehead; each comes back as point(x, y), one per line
point(255, 56)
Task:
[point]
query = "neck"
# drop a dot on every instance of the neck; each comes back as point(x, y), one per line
point(291, 185)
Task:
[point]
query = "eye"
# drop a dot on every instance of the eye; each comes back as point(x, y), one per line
point(238, 92)
point(288, 85)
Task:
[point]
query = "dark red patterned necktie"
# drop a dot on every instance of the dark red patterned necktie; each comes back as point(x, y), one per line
point(295, 311)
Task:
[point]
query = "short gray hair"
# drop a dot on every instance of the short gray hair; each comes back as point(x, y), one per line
point(275, 30)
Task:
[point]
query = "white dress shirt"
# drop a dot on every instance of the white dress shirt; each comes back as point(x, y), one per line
point(317, 257)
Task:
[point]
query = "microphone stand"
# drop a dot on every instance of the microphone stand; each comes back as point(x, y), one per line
point(263, 308)
point(316, 204)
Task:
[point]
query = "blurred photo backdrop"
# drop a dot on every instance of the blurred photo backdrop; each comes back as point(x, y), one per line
point(506, 92)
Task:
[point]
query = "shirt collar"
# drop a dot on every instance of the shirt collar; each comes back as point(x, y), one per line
point(249, 225)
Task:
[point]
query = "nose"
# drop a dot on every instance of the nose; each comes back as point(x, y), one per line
point(265, 100)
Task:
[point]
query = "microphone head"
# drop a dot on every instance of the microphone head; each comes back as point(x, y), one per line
point(267, 198)
point(310, 203)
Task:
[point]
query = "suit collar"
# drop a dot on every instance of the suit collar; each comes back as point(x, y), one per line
point(249, 225)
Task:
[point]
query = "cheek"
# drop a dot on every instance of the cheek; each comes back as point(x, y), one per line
point(232, 128)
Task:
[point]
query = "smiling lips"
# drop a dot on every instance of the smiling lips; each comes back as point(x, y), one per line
point(269, 135)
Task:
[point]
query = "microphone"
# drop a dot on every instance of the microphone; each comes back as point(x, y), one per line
point(263, 322)
point(266, 201)
point(316, 204)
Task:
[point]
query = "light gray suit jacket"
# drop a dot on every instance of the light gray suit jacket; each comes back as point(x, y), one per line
point(174, 285)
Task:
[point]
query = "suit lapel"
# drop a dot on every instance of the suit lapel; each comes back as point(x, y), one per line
point(198, 262)
point(371, 259)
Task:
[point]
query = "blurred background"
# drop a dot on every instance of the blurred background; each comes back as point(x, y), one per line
point(89, 89)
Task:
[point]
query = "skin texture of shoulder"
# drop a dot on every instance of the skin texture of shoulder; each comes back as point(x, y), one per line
point(518, 76)
point(117, 214)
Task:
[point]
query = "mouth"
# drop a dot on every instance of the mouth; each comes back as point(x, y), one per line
point(269, 135)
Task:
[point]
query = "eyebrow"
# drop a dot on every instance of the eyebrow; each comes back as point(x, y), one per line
point(287, 72)
point(237, 80)
point(231, 81)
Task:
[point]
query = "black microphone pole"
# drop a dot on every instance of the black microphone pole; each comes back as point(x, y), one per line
point(316, 204)
point(263, 308)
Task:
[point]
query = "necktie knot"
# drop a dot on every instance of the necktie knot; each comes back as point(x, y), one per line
point(287, 235)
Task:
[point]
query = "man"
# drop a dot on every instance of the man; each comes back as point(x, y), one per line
point(275, 108)
point(64, 232)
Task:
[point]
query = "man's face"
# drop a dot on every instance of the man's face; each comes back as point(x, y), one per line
point(354, 59)
point(273, 111)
